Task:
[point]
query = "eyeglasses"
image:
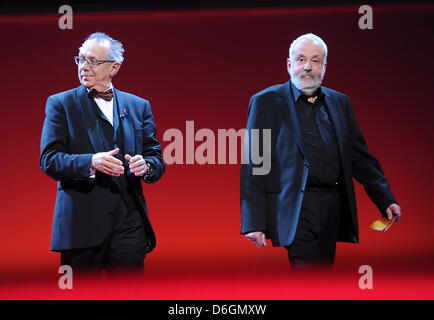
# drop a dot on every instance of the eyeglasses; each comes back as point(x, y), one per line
point(92, 63)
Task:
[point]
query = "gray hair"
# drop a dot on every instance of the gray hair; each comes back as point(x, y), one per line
point(115, 51)
point(311, 37)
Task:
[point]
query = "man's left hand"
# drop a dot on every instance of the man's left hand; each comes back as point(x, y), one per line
point(393, 210)
point(138, 165)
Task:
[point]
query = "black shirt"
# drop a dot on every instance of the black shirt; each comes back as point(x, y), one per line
point(318, 139)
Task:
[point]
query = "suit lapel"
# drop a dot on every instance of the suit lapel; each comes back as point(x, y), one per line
point(115, 117)
point(334, 115)
point(124, 122)
point(89, 116)
point(287, 107)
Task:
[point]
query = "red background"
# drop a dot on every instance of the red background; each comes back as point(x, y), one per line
point(204, 65)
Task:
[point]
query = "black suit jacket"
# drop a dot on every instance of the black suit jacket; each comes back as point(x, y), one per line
point(272, 202)
point(70, 136)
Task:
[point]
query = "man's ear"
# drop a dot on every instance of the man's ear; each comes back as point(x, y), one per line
point(288, 64)
point(115, 69)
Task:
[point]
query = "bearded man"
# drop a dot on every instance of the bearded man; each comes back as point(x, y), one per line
point(306, 203)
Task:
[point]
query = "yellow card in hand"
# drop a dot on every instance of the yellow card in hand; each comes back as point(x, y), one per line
point(383, 223)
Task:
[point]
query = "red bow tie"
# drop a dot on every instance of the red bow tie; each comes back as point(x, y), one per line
point(107, 95)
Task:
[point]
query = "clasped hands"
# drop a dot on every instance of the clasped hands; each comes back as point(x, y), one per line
point(105, 162)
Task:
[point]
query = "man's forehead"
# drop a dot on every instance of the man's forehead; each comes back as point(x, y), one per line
point(94, 47)
point(309, 47)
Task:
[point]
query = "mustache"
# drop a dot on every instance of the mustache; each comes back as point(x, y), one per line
point(308, 73)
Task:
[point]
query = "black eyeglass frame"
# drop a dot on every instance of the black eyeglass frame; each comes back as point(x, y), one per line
point(93, 63)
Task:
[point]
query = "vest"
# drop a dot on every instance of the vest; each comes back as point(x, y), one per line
point(112, 138)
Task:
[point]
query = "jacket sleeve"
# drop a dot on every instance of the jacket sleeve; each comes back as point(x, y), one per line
point(55, 160)
point(366, 168)
point(151, 148)
point(252, 187)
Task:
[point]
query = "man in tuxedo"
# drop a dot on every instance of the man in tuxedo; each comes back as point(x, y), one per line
point(306, 203)
point(99, 143)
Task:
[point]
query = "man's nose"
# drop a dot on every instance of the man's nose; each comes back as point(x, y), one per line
point(307, 66)
point(85, 66)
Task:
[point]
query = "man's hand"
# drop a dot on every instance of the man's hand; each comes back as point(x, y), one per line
point(393, 210)
point(257, 237)
point(138, 165)
point(107, 163)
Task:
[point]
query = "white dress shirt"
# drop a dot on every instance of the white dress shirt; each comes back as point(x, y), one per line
point(107, 109)
point(106, 106)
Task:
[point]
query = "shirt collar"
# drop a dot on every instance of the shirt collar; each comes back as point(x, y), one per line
point(297, 93)
point(108, 88)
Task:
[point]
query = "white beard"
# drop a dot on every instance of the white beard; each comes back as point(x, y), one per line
point(307, 85)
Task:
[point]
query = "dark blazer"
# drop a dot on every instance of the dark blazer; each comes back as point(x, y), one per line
point(70, 136)
point(271, 203)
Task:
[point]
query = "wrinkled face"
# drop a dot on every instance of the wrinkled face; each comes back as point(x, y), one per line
point(100, 76)
point(307, 66)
